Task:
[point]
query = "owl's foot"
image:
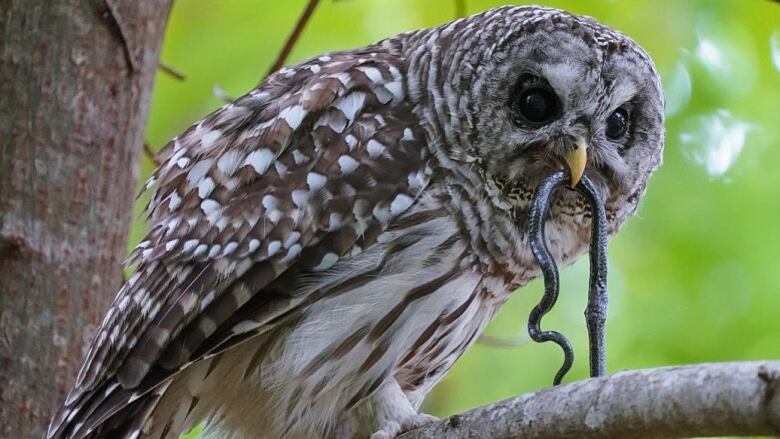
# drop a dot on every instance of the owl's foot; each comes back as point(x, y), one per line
point(393, 428)
point(395, 414)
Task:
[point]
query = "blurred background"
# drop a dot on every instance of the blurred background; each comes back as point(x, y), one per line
point(694, 277)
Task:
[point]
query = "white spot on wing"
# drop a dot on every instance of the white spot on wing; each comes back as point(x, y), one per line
point(327, 261)
point(205, 187)
point(200, 250)
point(382, 95)
point(373, 74)
point(382, 214)
point(316, 181)
point(123, 303)
point(260, 160)
point(214, 250)
point(374, 148)
point(343, 78)
point(198, 171)
point(395, 88)
point(189, 245)
point(299, 157)
point(416, 180)
point(208, 138)
point(347, 164)
point(292, 253)
point(335, 220)
point(333, 120)
point(293, 116)
point(400, 204)
point(299, 197)
point(351, 104)
point(230, 248)
point(209, 206)
point(292, 239)
point(206, 301)
point(351, 140)
point(275, 215)
point(172, 223)
point(274, 247)
point(228, 162)
point(281, 168)
point(270, 202)
point(174, 201)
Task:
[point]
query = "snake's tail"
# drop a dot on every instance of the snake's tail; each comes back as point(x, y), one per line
point(596, 310)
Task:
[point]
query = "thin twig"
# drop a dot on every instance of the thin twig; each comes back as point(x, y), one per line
point(120, 27)
point(221, 94)
point(294, 36)
point(175, 74)
point(150, 154)
point(501, 342)
point(460, 8)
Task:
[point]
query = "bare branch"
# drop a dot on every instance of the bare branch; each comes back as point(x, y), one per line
point(294, 35)
point(151, 155)
point(221, 94)
point(460, 8)
point(171, 71)
point(725, 399)
point(123, 36)
point(503, 342)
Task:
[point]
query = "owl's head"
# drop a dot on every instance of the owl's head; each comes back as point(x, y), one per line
point(543, 89)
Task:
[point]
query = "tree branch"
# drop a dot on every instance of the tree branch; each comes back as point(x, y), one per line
point(294, 35)
point(700, 400)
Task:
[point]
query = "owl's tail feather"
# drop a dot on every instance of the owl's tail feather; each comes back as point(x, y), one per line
point(108, 412)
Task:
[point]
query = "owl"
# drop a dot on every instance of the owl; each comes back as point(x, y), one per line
point(324, 248)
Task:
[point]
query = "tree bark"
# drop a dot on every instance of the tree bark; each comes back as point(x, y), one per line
point(75, 84)
point(728, 399)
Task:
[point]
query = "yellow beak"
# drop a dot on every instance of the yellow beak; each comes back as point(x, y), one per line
point(576, 160)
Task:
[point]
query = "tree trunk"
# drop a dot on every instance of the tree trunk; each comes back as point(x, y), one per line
point(75, 84)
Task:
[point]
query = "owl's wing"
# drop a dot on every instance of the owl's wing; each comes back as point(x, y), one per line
point(309, 167)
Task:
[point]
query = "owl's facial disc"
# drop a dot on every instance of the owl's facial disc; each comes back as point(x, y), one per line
point(557, 98)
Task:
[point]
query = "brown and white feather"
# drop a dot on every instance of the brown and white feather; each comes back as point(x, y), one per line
point(324, 248)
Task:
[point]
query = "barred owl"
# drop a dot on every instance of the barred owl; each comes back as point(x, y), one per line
point(324, 248)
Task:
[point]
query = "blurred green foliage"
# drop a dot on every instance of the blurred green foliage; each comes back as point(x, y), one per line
point(693, 278)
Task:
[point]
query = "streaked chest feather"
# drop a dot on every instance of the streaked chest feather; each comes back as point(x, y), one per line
point(405, 308)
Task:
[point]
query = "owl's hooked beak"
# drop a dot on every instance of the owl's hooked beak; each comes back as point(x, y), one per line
point(576, 160)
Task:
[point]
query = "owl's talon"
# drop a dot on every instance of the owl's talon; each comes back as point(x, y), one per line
point(418, 421)
point(388, 431)
point(393, 429)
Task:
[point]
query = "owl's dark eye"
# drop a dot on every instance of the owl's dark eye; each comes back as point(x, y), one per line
point(538, 105)
point(533, 102)
point(617, 124)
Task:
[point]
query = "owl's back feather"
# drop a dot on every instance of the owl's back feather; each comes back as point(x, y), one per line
point(307, 168)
